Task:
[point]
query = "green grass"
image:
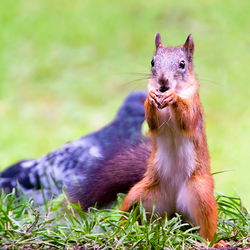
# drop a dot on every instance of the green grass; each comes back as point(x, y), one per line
point(63, 226)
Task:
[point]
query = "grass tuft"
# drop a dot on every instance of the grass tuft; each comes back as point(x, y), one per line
point(62, 225)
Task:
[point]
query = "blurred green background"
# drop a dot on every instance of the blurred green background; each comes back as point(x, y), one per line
point(65, 67)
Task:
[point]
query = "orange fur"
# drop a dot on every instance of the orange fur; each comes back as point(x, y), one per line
point(178, 177)
point(200, 199)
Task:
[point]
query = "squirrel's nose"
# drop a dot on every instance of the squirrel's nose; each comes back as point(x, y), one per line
point(163, 81)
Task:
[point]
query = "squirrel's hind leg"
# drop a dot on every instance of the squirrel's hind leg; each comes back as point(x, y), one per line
point(197, 201)
point(140, 192)
point(134, 196)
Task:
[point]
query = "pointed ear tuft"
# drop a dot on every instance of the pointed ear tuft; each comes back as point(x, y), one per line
point(158, 42)
point(189, 47)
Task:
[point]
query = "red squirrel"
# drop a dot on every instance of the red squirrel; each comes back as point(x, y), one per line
point(178, 177)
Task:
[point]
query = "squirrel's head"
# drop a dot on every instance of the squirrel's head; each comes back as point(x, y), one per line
point(172, 67)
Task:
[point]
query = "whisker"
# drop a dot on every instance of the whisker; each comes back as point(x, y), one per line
point(142, 77)
point(157, 115)
point(208, 83)
point(139, 86)
point(166, 122)
point(136, 80)
point(133, 73)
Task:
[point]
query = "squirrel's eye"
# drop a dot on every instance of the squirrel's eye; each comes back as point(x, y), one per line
point(182, 64)
point(152, 63)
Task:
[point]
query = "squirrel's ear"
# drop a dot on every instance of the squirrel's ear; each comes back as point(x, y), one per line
point(158, 42)
point(189, 47)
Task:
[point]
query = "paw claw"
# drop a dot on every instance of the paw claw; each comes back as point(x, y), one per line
point(161, 101)
point(154, 98)
point(168, 98)
point(220, 244)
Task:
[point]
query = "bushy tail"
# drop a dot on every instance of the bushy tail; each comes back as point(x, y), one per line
point(19, 173)
point(25, 177)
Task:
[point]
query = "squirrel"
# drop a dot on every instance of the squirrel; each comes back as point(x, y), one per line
point(178, 177)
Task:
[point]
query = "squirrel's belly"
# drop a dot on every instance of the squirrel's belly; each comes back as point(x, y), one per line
point(175, 162)
point(174, 157)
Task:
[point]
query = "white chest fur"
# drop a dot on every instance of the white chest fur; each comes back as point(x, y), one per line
point(175, 162)
point(175, 156)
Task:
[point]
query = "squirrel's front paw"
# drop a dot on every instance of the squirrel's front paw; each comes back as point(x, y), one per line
point(154, 98)
point(169, 97)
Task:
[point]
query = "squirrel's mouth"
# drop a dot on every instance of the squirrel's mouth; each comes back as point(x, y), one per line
point(164, 88)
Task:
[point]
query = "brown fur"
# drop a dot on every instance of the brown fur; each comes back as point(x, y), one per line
point(113, 178)
point(203, 204)
point(176, 116)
